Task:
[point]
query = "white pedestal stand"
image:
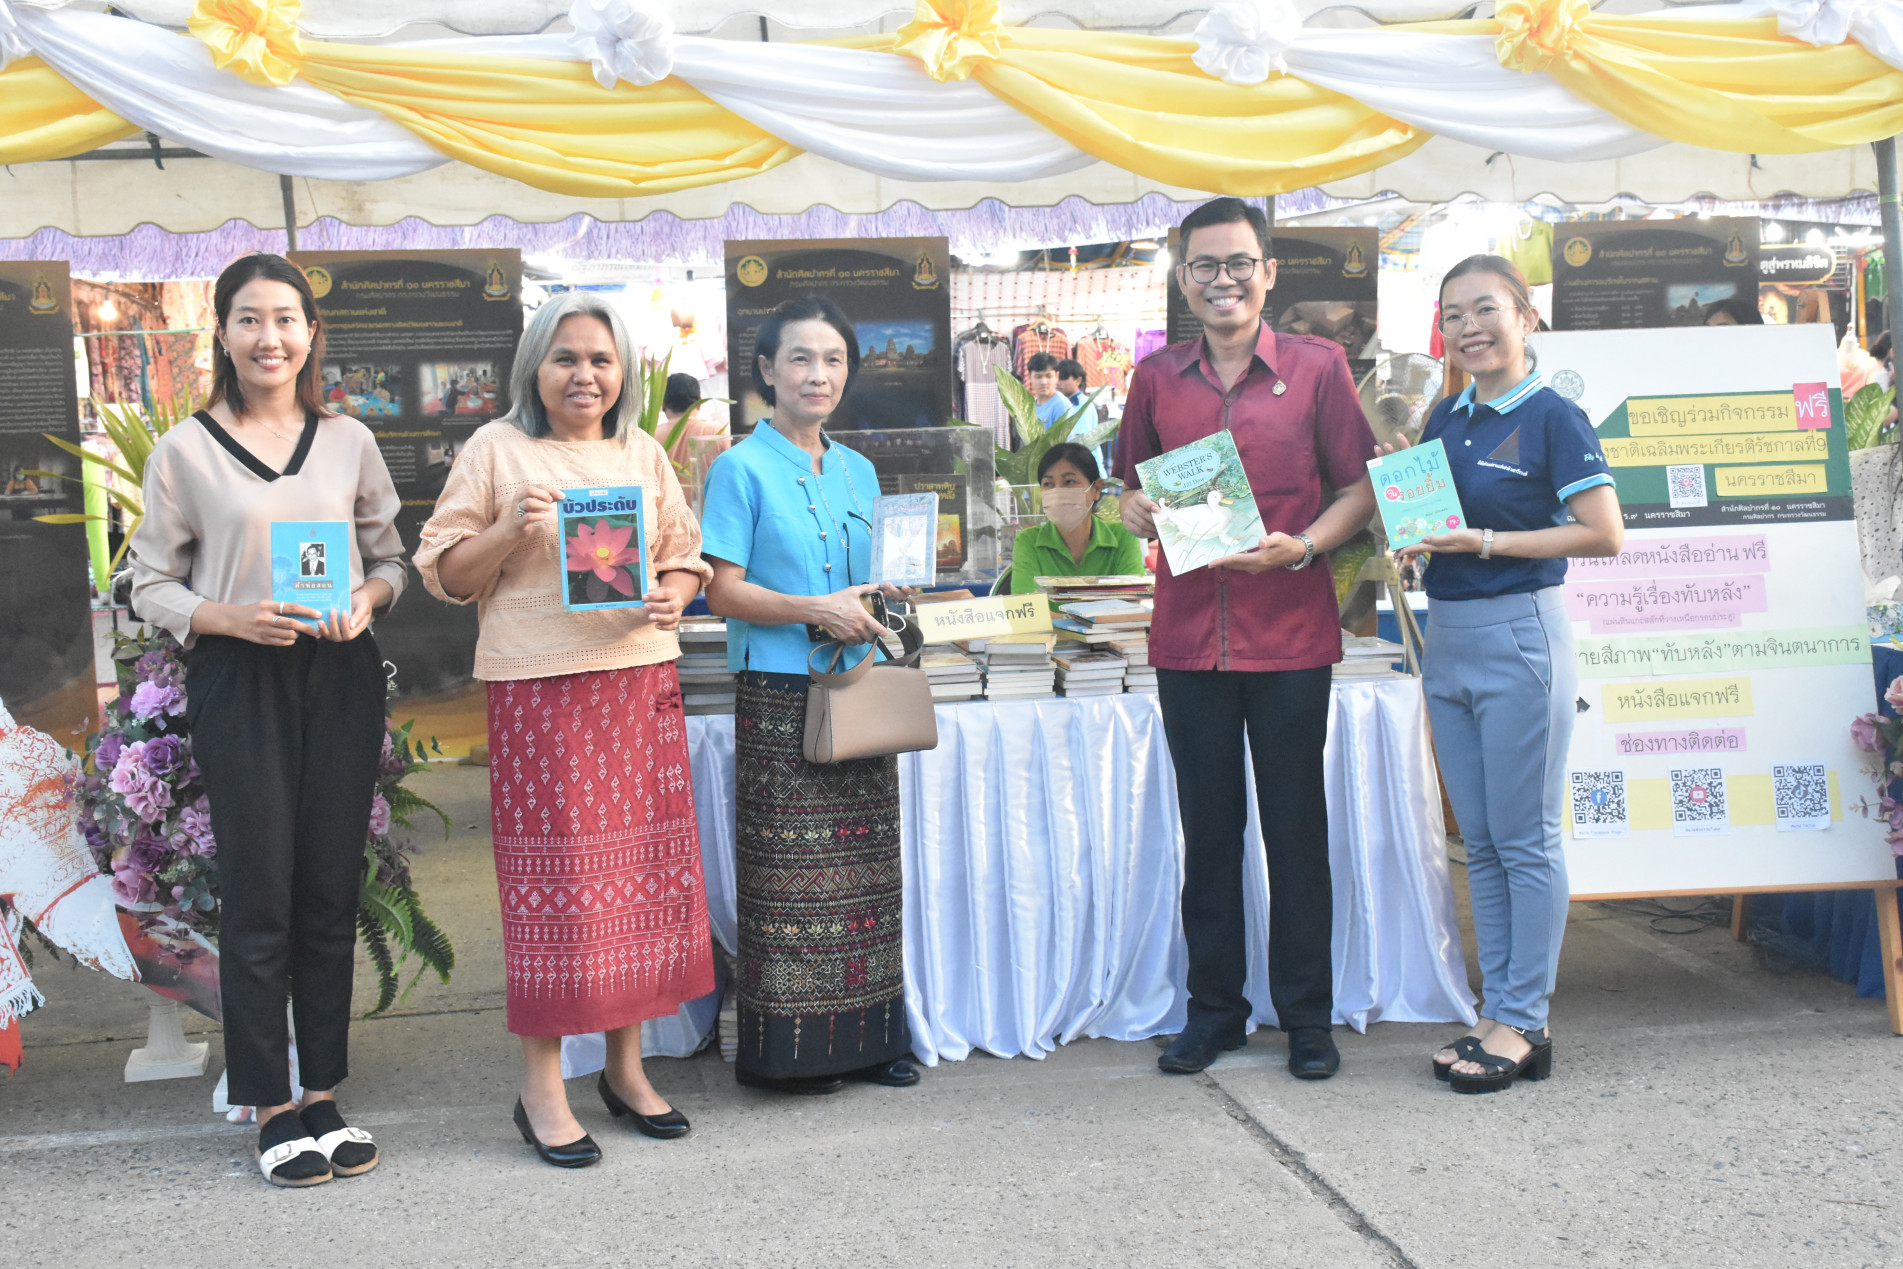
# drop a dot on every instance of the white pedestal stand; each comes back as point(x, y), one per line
point(167, 1054)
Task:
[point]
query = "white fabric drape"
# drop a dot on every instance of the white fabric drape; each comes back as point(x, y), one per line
point(1043, 860)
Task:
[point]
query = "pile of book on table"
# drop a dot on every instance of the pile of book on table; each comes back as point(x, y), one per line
point(1016, 666)
point(1108, 615)
point(707, 685)
point(1362, 656)
point(954, 676)
point(1083, 671)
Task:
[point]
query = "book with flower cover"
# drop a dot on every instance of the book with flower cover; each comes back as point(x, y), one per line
point(310, 564)
point(1205, 509)
point(604, 547)
point(1414, 488)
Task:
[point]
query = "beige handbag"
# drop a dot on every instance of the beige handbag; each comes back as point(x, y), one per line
point(872, 709)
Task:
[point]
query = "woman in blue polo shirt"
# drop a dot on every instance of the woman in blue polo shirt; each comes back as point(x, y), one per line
point(787, 526)
point(1499, 676)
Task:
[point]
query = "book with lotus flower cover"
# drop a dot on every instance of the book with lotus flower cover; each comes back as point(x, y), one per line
point(604, 547)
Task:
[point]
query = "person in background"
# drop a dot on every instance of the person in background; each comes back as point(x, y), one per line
point(819, 981)
point(1070, 380)
point(604, 910)
point(1500, 674)
point(1732, 313)
point(285, 705)
point(1073, 541)
point(683, 398)
point(1246, 646)
point(1040, 376)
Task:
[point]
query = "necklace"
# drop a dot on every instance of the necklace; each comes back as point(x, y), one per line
point(282, 436)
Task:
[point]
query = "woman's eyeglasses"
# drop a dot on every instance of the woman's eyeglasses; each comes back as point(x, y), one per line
point(1241, 268)
point(1486, 317)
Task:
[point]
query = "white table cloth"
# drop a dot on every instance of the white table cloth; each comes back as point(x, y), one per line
point(1043, 862)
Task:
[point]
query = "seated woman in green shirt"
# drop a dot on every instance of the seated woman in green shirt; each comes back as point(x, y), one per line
point(1072, 542)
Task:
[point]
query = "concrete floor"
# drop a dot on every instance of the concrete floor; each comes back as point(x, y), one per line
point(1709, 1105)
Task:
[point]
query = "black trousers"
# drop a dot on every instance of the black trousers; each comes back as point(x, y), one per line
point(1285, 716)
point(288, 740)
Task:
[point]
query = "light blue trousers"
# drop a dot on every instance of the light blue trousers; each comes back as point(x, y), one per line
point(1500, 680)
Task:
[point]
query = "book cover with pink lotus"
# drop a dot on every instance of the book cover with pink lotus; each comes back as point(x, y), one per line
point(604, 547)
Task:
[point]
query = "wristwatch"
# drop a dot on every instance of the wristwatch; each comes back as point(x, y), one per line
point(1308, 553)
point(1486, 544)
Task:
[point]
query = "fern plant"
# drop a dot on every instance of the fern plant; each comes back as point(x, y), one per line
point(390, 918)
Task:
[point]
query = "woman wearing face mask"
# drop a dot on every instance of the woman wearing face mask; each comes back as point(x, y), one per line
point(1499, 674)
point(1072, 542)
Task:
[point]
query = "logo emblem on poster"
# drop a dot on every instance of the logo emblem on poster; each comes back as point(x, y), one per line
point(1577, 252)
point(1569, 384)
point(43, 301)
point(497, 286)
point(319, 278)
point(1734, 249)
point(925, 276)
point(751, 271)
point(1354, 264)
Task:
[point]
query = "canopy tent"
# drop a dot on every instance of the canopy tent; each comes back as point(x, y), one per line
point(623, 116)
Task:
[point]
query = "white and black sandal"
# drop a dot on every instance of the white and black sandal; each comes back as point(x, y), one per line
point(288, 1155)
point(351, 1151)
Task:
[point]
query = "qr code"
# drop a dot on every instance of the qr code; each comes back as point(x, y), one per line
point(1599, 807)
point(1686, 485)
point(1801, 791)
point(1698, 800)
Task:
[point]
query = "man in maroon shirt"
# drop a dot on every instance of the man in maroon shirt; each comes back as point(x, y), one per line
point(1245, 645)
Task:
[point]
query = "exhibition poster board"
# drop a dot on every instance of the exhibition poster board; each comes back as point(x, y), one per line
point(895, 293)
point(1724, 652)
point(46, 648)
point(1627, 274)
point(957, 464)
point(1325, 284)
point(419, 346)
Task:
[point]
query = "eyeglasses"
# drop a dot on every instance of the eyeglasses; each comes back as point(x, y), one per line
point(1241, 268)
point(1486, 317)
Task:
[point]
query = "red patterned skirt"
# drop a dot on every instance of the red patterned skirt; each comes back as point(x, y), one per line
point(604, 915)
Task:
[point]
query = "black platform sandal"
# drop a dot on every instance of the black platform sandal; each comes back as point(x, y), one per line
point(351, 1151)
point(1501, 1072)
point(1464, 1050)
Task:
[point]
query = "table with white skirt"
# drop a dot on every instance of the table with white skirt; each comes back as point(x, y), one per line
point(1043, 865)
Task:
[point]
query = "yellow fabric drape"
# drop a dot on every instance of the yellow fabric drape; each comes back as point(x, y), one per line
point(549, 124)
point(1731, 84)
point(1141, 103)
point(44, 117)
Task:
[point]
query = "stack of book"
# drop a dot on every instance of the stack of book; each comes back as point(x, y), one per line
point(707, 685)
point(1089, 672)
point(1016, 665)
point(1093, 611)
point(1134, 648)
point(954, 675)
point(1363, 655)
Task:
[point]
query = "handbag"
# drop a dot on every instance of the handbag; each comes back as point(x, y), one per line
point(874, 709)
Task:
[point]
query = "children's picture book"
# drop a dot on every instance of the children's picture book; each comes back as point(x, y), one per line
point(310, 564)
point(1205, 508)
point(1415, 490)
point(905, 539)
point(604, 547)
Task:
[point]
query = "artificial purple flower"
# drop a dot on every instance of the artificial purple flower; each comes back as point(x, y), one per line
point(379, 816)
point(1863, 733)
point(1894, 693)
point(389, 762)
point(133, 869)
point(195, 822)
point(153, 699)
point(164, 755)
point(107, 755)
point(145, 793)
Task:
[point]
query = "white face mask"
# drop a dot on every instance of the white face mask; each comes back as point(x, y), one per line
point(1067, 507)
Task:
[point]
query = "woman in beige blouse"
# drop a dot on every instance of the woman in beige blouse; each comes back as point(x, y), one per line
point(604, 918)
point(286, 705)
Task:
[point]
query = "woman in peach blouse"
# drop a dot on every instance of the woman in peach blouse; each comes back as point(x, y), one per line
point(604, 917)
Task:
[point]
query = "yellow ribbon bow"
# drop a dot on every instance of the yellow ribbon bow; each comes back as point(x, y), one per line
point(256, 40)
point(1535, 33)
point(951, 36)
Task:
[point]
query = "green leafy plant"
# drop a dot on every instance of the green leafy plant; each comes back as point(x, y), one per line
point(390, 916)
point(1019, 467)
point(1349, 559)
point(1864, 415)
point(653, 380)
point(135, 432)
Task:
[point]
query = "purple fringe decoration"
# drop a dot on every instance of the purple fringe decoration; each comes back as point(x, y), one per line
point(152, 254)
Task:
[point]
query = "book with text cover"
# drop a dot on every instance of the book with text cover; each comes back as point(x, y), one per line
point(310, 564)
point(604, 547)
point(1205, 508)
point(905, 539)
point(1414, 488)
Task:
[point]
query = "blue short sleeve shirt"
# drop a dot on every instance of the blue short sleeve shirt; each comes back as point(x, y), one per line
point(794, 531)
point(1515, 461)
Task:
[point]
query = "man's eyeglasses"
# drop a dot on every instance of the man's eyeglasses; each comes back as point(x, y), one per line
point(1241, 268)
point(1486, 317)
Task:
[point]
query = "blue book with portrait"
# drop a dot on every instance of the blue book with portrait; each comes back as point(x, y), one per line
point(604, 547)
point(310, 564)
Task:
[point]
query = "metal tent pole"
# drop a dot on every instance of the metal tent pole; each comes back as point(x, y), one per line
point(1892, 214)
point(290, 212)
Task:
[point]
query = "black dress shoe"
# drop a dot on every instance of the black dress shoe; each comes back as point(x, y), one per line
point(1312, 1054)
point(575, 1154)
point(810, 1085)
point(1197, 1047)
point(898, 1073)
point(664, 1126)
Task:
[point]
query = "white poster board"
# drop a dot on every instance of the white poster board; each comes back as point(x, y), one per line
point(1724, 653)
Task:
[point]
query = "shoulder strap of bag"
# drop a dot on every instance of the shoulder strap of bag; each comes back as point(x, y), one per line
point(909, 638)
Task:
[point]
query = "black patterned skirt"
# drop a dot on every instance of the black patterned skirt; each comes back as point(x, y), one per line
point(820, 977)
